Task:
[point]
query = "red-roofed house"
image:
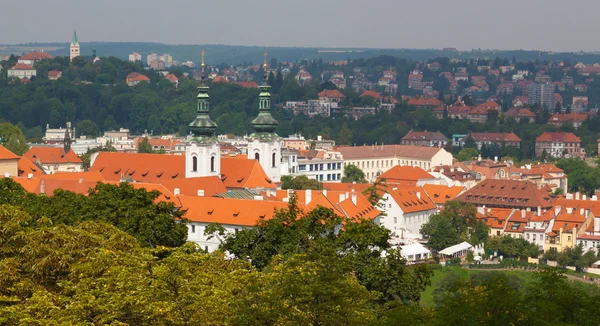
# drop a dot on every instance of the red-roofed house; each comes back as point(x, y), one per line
point(54, 74)
point(134, 78)
point(9, 162)
point(21, 71)
point(32, 58)
point(407, 209)
point(497, 138)
point(425, 138)
point(404, 175)
point(559, 144)
point(520, 114)
point(54, 159)
point(332, 95)
point(173, 79)
point(422, 102)
point(373, 94)
point(576, 119)
point(414, 80)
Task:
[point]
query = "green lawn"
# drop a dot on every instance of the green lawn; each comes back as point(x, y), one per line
point(459, 272)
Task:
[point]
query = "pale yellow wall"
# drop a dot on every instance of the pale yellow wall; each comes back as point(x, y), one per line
point(10, 166)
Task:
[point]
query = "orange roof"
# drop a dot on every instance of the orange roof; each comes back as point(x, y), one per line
point(506, 193)
point(134, 76)
point(36, 56)
point(30, 185)
point(54, 73)
point(340, 202)
point(400, 173)
point(220, 79)
point(250, 84)
point(331, 93)
point(496, 217)
point(346, 186)
point(568, 117)
point(374, 94)
point(238, 173)
point(51, 155)
point(421, 101)
point(92, 176)
point(558, 137)
point(26, 167)
point(189, 187)
point(440, 194)
point(21, 66)
point(139, 167)
point(495, 136)
point(229, 211)
point(164, 196)
point(5, 154)
point(412, 199)
point(172, 78)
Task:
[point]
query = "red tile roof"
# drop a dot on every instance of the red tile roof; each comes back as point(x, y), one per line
point(568, 117)
point(189, 187)
point(26, 167)
point(244, 173)
point(229, 211)
point(374, 94)
point(506, 193)
point(134, 76)
point(519, 112)
point(20, 66)
point(421, 101)
point(139, 167)
point(440, 194)
point(403, 174)
point(558, 137)
point(250, 84)
point(412, 200)
point(495, 136)
point(54, 73)
point(36, 56)
point(51, 155)
point(5, 154)
point(331, 93)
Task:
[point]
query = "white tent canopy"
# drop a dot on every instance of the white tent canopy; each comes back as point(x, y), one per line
point(414, 251)
point(458, 250)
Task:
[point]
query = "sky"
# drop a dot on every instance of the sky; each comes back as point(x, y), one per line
point(550, 25)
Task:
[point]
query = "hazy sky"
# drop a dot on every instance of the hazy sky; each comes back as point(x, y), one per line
point(557, 25)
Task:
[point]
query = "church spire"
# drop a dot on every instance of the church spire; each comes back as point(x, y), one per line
point(67, 139)
point(203, 128)
point(264, 124)
point(74, 41)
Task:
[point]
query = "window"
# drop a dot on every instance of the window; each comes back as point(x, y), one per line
point(257, 156)
point(193, 228)
point(395, 220)
point(206, 248)
point(293, 158)
point(212, 164)
point(273, 160)
point(194, 164)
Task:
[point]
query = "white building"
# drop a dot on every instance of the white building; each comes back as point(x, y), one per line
point(134, 57)
point(21, 71)
point(406, 210)
point(415, 252)
point(376, 159)
point(321, 165)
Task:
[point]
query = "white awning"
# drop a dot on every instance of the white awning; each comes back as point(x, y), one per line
point(456, 249)
point(414, 249)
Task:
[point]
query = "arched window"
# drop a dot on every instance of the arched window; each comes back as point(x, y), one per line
point(257, 156)
point(273, 160)
point(194, 164)
point(212, 164)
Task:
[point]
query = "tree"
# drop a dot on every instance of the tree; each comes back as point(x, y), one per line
point(344, 136)
point(301, 182)
point(467, 154)
point(353, 174)
point(87, 128)
point(144, 146)
point(470, 142)
point(452, 225)
point(13, 139)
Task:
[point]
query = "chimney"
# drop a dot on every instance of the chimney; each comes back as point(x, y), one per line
point(569, 196)
point(523, 213)
point(325, 192)
point(556, 210)
point(577, 195)
point(80, 180)
point(7, 175)
point(583, 197)
point(489, 210)
point(286, 200)
point(481, 210)
point(419, 194)
point(495, 159)
point(539, 211)
point(569, 210)
point(394, 188)
point(308, 196)
point(42, 188)
point(200, 192)
point(342, 197)
point(354, 198)
point(594, 198)
point(258, 197)
point(581, 211)
point(176, 192)
point(30, 176)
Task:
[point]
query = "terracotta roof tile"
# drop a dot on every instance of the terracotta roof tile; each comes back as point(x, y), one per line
point(440, 194)
point(229, 211)
point(5, 154)
point(51, 155)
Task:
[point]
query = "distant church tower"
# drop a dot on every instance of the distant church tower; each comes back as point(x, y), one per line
point(265, 145)
point(74, 48)
point(202, 150)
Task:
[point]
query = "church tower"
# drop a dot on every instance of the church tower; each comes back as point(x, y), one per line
point(67, 139)
point(264, 145)
point(75, 49)
point(202, 150)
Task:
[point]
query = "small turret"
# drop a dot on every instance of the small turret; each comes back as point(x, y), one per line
point(203, 128)
point(264, 124)
point(67, 139)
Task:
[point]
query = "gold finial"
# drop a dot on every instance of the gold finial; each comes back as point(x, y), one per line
point(265, 63)
point(202, 60)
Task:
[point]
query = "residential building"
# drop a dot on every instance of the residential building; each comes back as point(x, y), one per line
point(407, 176)
point(520, 114)
point(559, 144)
point(311, 108)
point(541, 94)
point(537, 226)
point(320, 165)
point(580, 103)
point(9, 163)
point(506, 193)
point(21, 71)
point(376, 159)
point(547, 175)
point(493, 138)
point(173, 79)
point(414, 80)
point(134, 78)
point(567, 224)
point(496, 219)
point(406, 210)
point(422, 102)
point(32, 58)
point(425, 138)
point(331, 96)
point(151, 57)
point(296, 142)
point(135, 56)
point(55, 159)
point(54, 74)
point(575, 119)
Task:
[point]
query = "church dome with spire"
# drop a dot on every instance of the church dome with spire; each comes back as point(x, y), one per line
point(264, 124)
point(203, 128)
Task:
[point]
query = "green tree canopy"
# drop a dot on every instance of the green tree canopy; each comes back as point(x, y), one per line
point(353, 174)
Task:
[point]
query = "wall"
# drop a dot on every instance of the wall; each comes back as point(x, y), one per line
point(10, 166)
